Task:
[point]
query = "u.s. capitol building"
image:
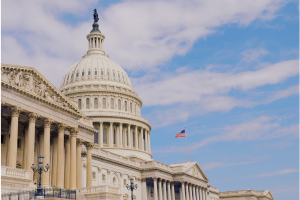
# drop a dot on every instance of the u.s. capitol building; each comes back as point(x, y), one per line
point(92, 134)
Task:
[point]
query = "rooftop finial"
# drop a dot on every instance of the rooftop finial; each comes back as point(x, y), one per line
point(96, 18)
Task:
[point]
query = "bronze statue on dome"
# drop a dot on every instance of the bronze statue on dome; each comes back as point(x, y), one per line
point(96, 18)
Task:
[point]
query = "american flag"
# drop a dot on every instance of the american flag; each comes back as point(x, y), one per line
point(180, 134)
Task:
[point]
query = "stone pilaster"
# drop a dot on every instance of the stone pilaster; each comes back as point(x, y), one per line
point(67, 162)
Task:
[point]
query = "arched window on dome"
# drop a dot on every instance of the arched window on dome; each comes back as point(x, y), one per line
point(123, 76)
point(89, 72)
point(119, 104)
point(87, 103)
point(119, 75)
point(104, 103)
point(96, 103)
point(133, 139)
point(115, 136)
point(130, 107)
point(114, 74)
point(77, 74)
point(82, 74)
point(125, 105)
point(107, 73)
point(71, 76)
point(112, 102)
point(95, 72)
point(79, 104)
point(105, 136)
point(68, 78)
point(102, 72)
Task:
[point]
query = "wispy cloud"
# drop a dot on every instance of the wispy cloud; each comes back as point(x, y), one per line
point(209, 166)
point(281, 172)
point(252, 55)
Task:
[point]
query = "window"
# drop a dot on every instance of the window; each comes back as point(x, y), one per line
point(103, 177)
point(127, 138)
point(124, 182)
point(112, 102)
point(107, 73)
point(114, 181)
point(72, 76)
point(104, 103)
point(19, 143)
point(125, 105)
point(95, 73)
point(119, 104)
point(79, 104)
point(82, 73)
point(96, 138)
point(123, 76)
point(130, 107)
point(119, 75)
point(89, 73)
point(133, 139)
point(105, 136)
point(94, 175)
point(114, 136)
point(68, 77)
point(96, 103)
point(3, 138)
point(114, 74)
point(77, 74)
point(87, 103)
point(102, 72)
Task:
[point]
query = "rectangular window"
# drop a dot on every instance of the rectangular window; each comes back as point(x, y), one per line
point(87, 103)
point(79, 104)
point(112, 103)
point(96, 138)
point(127, 138)
point(96, 103)
point(130, 107)
point(125, 104)
point(103, 177)
point(94, 175)
point(114, 136)
point(119, 104)
point(95, 73)
point(104, 103)
point(3, 138)
point(133, 139)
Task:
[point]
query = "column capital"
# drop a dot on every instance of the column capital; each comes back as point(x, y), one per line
point(89, 145)
point(32, 117)
point(155, 178)
point(3, 103)
point(66, 139)
point(99, 169)
point(172, 183)
point(15, 111)
point(61, 127)
point(79, 142)
point(182, 182)
point(47, 122)
point(73, 132)
point(144, 179)
point(121, 174)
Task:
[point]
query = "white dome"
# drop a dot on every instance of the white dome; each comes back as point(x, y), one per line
point(95, 69)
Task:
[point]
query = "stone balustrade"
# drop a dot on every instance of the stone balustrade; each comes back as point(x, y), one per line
point(98, 189)
point(14, 172)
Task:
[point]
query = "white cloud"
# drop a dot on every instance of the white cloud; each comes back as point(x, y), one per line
point(139, 34)
point(281, 172)
point(208, 166)
point(251, 55)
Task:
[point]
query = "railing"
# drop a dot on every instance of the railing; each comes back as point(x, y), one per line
point(97, 189)
point(14, 172)
point(47, 193)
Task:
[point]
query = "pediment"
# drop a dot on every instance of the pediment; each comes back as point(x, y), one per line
point(30, 82)
point(268, 194)
point(195, 170)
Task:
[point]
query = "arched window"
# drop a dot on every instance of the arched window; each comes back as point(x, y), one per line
point(119, 104)
point(112, 102)
point(95, 73)
point(72, 76)
point(119, 75)
point(82, 74)
point(87, 103)
point(102, 72)
point(114, 74)
point(123, 76)
point(104, 103)
point(114, 136)
point(89, 73)
point(79, 104)
point(77, 74)
point(105, 136)
point(96, 137)
point(107, 73)
point(68, 77)
point(133, 139)
point(96, 103)
point(130, 107)
point(125, 105)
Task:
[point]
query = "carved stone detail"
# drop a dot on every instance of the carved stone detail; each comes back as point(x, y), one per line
point(74, 132)
point(47, 122)
point(61, 127)
point(32, 117)
point(15, 111)
point(89, 145)
point(79, 142)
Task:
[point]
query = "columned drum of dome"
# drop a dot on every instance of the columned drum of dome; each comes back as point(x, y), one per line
point(102, 91)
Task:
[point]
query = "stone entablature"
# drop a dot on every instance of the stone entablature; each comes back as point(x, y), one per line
point(245, 194)
point(28, 81)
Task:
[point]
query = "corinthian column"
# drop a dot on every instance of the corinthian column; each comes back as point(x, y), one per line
point(101, 134)
point(164, 190)
point(136, 138)
point(73, 134)
point(187, 191)
point(78, 163)
point(110, 135)
point(45, 175)
point(141, 140)
point(182, 190)
point(89, 147)
point(129, 137)
point(144, 188)
point(149, 145)
point(67, 162)
point(159, 190)
point(120, 135)
point(155, 187)
point(30, 143)
point(173, 191)
point(13, 140)
point(54, 161)
point(169, 190)
point(60, 156)
point(194, 194)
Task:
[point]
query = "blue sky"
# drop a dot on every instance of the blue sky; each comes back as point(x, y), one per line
point(226, 70)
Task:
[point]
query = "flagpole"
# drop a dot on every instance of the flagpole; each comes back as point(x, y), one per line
point(187, 150)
